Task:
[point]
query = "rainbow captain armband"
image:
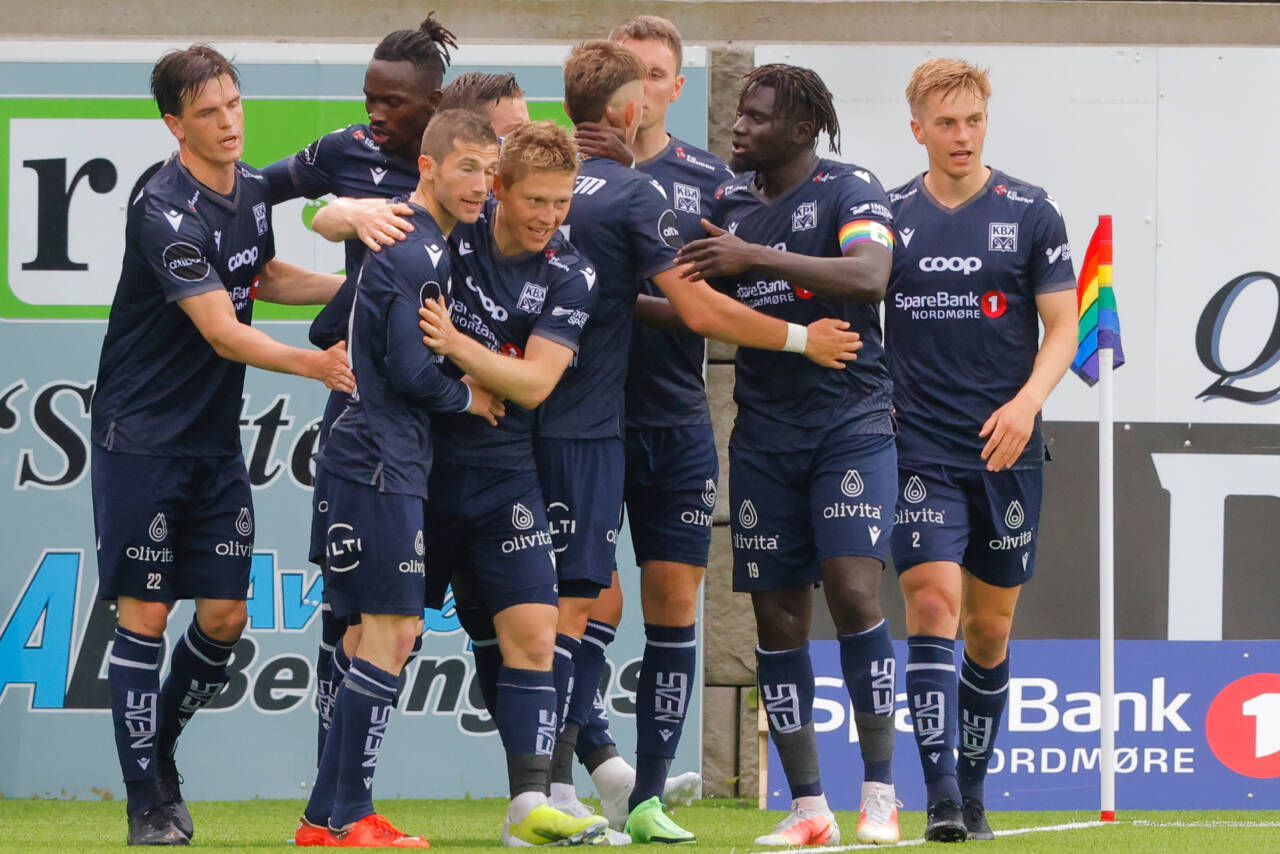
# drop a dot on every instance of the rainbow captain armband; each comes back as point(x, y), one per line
point(862, 230)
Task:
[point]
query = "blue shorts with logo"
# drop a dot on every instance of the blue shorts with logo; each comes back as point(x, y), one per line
point(984, 521)
point(793, 509)
point(489, 525)
point(374, 548)
point(172, 528)
point(332, 409)
point(582, 484)
point(671, 492)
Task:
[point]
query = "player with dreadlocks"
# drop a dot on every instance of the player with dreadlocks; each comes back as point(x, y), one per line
point(370, 163)
point(812, 464)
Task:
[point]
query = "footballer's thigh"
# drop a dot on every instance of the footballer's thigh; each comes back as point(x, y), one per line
point(930, 534)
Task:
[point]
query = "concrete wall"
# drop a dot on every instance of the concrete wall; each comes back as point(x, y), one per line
point(731, 28)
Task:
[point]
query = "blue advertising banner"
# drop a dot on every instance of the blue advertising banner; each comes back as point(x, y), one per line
point(1198, 727)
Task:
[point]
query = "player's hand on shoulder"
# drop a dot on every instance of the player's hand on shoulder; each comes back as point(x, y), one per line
point(485, 403)
point(438, 331)
point(1007, 432)
point(378, 224)
point(721, 254)
point(335, 369)
point(599, 140)
point(831, 343)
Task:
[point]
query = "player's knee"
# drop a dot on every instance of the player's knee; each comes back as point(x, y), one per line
point(986, 637)
point(780, 624)
point(144, 618)
point(932, 612)
point(224, 621)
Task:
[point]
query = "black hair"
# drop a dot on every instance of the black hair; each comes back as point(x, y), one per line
point(800, 95)
point(427, 48)
point(180, 74)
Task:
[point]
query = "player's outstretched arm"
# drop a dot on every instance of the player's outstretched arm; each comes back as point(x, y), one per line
point(215, 317)
point(377, 222)
point(288, 284)
point(860, 275)
point(526, 381)
point(827, 342)
point(659, 314)
point(1009, 428)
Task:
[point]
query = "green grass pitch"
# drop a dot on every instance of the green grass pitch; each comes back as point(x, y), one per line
point(721, 825)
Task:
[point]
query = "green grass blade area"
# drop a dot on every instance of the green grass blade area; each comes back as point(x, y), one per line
point(721, 825)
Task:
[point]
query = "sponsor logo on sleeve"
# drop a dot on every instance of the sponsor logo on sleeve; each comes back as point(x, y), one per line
point(1058, 253)
point(575, 318)
point(185, 262)
point(260, 217)
point(668, 230)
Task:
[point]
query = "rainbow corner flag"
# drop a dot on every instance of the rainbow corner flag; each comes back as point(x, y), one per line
point(1096, 306)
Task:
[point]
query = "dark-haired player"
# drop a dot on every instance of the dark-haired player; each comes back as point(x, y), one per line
point(671, 461)
point(982, 259)
point(621, 219)
point(365, 165)
point(521, 299)
point(812, 460)
point(172, 506)
point(498, 97)
point(373, 473)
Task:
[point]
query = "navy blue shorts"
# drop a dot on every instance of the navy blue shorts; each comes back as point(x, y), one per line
point(374, 548)
point(582, 484)
point(671, 492)
point(489, 526)
point(793, 509)
point(332, 409)
point(984, 521)
point(172, 528)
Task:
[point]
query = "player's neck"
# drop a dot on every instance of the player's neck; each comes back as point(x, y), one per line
point(428, 202)
point(650, 142)
point(503, 241)
point(953, 192)
point(219, 177)
point(775, 181)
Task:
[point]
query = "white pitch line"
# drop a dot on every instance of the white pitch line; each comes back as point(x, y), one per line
point(1143, 823)
point(1017, 831)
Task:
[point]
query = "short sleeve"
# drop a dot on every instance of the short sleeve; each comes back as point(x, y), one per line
point(863, 211)
point(568, 306)
point(176, 245)
point(1050, 266)
point(308, 173)
point(654, 231)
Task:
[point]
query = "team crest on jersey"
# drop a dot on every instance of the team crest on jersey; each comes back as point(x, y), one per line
point(1003, 237)
point(688, 199)
point(260, 217)
point(531, 298)
point(805, 217)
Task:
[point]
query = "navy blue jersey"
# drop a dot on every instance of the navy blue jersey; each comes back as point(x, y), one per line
point(500, 301)
point(960, 319)
point(346, 162)
point(622, 221)
point(383, 436)
point(784, 400)
point(665, 386)
point(162, 390)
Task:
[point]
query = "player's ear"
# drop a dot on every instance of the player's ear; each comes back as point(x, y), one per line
point(679, 87)
point(433, 99)
point(174, 124)
point(427, 167)
point(917, 131)
point(803, 131)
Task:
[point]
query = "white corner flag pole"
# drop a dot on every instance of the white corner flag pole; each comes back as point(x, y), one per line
point(1106, 583)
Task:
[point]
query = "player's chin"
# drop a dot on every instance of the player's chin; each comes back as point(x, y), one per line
point(468, 210)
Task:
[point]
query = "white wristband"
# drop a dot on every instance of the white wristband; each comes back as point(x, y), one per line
point(797, 338)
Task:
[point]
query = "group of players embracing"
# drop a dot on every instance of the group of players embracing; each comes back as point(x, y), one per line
point(520, 339)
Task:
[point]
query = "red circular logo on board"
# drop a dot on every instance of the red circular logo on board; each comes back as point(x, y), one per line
point(803, 293)
point(512, 350)
point(994, 303)
point(1243, 726)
